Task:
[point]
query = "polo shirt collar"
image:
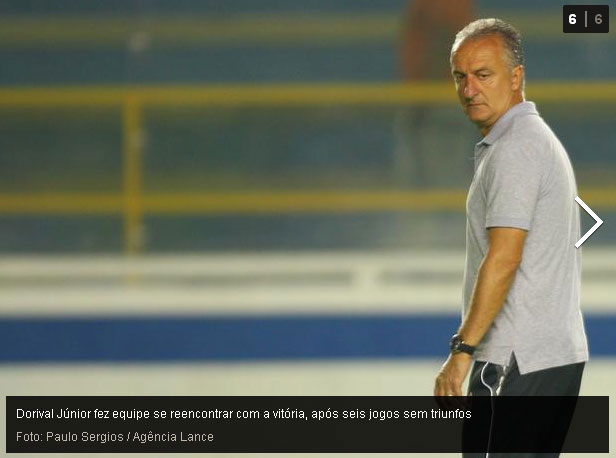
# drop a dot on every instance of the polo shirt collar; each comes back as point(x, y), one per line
point(505, 120)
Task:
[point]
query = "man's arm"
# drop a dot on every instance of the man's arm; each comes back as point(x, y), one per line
point(497, 271)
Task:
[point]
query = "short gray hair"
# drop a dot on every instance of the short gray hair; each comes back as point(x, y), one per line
point(512, 40)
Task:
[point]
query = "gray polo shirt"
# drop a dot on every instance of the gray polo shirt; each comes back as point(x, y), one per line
point(523, 179)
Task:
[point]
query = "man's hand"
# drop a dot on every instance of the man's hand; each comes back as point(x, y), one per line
point(451, 376)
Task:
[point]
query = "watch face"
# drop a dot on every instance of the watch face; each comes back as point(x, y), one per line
point(454, 343)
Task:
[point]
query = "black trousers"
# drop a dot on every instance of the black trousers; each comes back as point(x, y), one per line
point(489, 379)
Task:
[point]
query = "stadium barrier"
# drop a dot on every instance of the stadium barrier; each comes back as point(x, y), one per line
point(132, 203)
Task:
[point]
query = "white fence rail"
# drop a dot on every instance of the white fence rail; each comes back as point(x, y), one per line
point(245, 284)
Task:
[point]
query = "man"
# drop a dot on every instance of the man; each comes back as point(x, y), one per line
point(522, 322)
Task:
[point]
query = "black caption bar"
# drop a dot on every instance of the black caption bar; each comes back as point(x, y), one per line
point(300, 424)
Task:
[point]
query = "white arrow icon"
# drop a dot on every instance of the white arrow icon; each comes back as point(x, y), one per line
point(598, 223)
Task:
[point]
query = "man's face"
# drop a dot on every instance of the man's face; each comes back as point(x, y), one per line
point(485, 84)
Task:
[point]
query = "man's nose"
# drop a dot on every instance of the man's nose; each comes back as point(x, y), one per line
point(470, 88)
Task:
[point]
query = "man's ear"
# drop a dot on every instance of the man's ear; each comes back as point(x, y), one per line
point(517, 77)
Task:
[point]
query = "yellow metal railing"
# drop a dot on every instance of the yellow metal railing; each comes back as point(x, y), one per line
point(132, 203)
point(290, 94)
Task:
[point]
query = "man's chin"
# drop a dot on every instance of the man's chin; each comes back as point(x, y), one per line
point(477, 116)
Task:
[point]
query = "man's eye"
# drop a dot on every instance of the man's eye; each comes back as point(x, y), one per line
point(482, 76)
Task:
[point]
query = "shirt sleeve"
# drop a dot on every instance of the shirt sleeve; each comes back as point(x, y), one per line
point(512, 185)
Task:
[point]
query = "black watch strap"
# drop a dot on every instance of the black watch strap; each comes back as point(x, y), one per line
point(457, 345)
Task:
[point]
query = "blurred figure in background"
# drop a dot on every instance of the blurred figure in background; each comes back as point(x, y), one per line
point(424, 56)
point(427, 28)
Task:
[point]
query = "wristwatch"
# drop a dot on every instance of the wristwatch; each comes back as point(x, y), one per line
point(457, 345)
